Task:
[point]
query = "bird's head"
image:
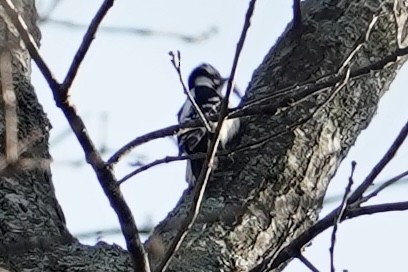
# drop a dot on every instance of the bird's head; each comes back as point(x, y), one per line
point(205, 75)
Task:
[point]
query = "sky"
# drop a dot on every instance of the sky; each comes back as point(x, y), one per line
point(127, 87)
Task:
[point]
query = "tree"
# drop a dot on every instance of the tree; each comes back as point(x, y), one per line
point(315, 91)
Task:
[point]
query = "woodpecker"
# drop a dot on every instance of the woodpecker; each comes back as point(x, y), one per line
point(205, 84)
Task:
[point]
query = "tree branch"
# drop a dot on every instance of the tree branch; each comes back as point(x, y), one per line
point(60, 92)
point(342, 209)
point(307, 263)
point(362, 188)
point(84, 47)
point(383, 186)
point(145, 32)
point(166, 159)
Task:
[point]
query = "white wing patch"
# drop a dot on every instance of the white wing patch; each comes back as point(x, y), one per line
point(229, 129)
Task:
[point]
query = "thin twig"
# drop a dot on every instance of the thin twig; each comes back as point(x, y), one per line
point(378, 208)
point(207, 166)
point(103, 171)
point(359, 44)
point(383, 186)
point(176, 61)
point(200, 37)
point(166, 159)
point(84, 47)
point(169, 159)
point(307, 263)
point(341, 209)
point(160, 133)
point(344, 67)
point(362, 188)
point(337, 88)
point(108, 232)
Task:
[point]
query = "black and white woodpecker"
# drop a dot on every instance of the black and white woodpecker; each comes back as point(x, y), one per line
point(205, 84)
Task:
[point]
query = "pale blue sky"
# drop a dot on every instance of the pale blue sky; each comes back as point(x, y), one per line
point(130, 78)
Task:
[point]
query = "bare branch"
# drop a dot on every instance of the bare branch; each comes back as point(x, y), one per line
point(342, 208)
point(360, 42)
point(379, 208)
point(108, 232)
point(383, 186)
point(160, 133)
point(307, 263)
point(84, 47)
point(166, 159)
point(200, 37)
point(362, 188)
point(103, 171)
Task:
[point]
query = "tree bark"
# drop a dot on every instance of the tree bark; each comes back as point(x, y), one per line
point(272, 186)
point(265, 193)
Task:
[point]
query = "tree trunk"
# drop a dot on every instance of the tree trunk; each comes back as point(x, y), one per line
point(266, 192)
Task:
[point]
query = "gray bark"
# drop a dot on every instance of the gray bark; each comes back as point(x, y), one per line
point(264, 194)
